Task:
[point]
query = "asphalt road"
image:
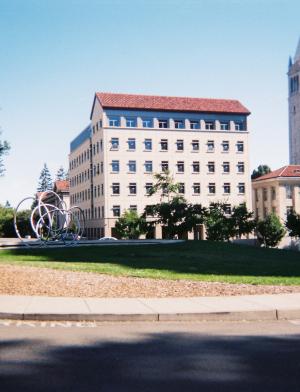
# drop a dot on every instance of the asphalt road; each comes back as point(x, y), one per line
point(152, 357)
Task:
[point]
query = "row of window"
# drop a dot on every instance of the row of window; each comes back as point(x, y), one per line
point(148, 167)
point(164, 123)
point(148, 146)
point(180, 166)
point(132, 190)
point(179, 145)
point(270, 193)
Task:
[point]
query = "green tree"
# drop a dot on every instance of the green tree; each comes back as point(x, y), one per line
point(270, 231)
point(164, 185)
point(293, 224)
point(45, 181)
point(4, 148)
point(61, 174)
point(130, 225)
point(219, 226)
point(260, 171)
point(242, 219)
point(176, 216)
point(7, 222)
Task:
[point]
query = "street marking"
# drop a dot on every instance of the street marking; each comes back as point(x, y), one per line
point(295, 322)
point(47, 324)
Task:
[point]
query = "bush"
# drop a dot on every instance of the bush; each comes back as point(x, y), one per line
point(270, 231)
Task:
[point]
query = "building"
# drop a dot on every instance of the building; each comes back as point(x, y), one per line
point(294, 108)
point(203, 142)
point(277, 192)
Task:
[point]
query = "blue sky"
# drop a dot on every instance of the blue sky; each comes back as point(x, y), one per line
point(56, 54)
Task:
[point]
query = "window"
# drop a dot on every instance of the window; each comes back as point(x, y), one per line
point(227, 209)
point(195, 145)
point(180, 145)
point(102, 209)
point(240, 146)
point(210, 146)
point(101, 167)
point(241, 167)
point(226, 187)
point(289, 210)
point(164, 165)
point(226, 167)
point(102, 189)
point(241, 187)
point(130, 122)
point(131, 144)
point(196, 188)
point(114, 121)
point(196, 167)
point(238, 126)
point(164, 144)
point(211, 167)
point(180, 167)
point(148, 187)
point(162, 123)
point(148, 166)
point(116, 211)
point(133, 208)
point(265, 194)
point(211, 188)
point(178, 124)
point(115, 188)
point(115, 165)
point(209, 125)
point(194, 124)
point(148, 144)
point(132, 166)
point(147, 123)
point(289, 191)
point(181, 187)
point(273, 193)
point(225, 145)
point(114, 143)
point(224, 126)
point(132, 188)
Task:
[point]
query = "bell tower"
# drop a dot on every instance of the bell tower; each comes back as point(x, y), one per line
point(294, 107)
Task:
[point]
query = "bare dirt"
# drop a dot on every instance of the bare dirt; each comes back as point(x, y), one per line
point(19, 280)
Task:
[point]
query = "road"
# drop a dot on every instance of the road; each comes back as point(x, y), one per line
point(244, 356)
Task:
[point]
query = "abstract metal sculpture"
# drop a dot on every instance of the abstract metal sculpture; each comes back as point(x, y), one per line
point(52, 221)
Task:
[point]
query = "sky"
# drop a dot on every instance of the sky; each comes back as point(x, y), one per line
point(56, 54)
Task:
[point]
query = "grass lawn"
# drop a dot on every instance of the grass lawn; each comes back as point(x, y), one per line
point(195, 260)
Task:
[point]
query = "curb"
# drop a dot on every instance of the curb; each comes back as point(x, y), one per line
point(238, 308)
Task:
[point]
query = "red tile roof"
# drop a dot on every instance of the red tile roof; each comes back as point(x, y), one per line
point(181, 104)
point(285, 171)
point(61, 186)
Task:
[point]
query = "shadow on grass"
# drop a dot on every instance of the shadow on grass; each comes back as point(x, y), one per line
point(190, 257)
point(156, 362)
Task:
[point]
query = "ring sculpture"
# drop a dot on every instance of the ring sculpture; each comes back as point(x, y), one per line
point(52, 222)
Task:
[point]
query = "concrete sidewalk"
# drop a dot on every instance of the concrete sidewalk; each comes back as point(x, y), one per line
point(251, 307)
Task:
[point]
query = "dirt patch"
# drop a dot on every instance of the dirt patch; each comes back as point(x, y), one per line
point(18, 280)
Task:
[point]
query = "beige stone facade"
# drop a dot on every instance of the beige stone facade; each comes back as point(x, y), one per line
point(277, 192)
point(113, 161)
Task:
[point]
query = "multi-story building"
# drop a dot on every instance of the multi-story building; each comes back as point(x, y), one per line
point(294, 108)
point(277, 192)
point(203, 142)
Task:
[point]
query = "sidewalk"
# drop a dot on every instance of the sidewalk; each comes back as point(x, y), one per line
point(250, 308)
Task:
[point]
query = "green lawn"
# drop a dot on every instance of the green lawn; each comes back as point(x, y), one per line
point(196, 260)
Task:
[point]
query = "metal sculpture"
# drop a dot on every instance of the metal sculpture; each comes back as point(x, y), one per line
point(52, 221)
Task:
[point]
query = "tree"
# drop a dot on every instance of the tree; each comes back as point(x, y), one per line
point(176, 216)
point(45, 181)
point(293, 224)
point(270, 231)
point(4, 148)
point(61, 174)
point(130, 225)
point(219, 226)
point(243, 222)
point(165, 185)
point(261, 171)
